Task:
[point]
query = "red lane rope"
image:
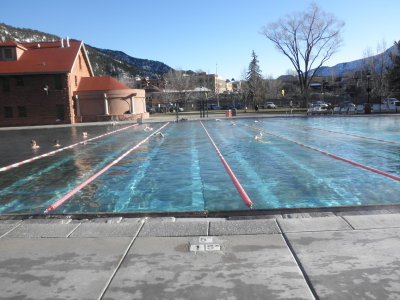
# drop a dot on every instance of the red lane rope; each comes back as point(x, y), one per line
point(343, 133)
point(330, 155)
point(240, 189)
point(12, 166)
point(93, 177)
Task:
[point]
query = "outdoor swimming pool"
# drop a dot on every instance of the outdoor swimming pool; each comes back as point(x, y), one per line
point(182, 171)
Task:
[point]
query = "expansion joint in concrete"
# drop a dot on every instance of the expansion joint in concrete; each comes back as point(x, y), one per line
point(299, 264)
point(121, 260)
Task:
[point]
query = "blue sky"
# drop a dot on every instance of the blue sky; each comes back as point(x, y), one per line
point(206, 35)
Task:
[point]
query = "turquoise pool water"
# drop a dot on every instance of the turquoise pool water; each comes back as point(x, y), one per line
point(182, 172)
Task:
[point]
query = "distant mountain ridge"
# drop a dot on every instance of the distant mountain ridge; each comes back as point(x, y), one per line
point(104, 62)
point(372, 62)
point(145, 64)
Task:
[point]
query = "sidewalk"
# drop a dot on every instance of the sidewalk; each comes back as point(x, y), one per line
point(353, 255)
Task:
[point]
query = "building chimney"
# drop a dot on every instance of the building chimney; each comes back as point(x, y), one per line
point(67, 42)
point(62, 43)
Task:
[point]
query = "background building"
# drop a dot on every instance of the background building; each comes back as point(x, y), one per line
point(38, 82)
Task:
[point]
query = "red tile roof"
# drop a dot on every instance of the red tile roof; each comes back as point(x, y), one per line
point(48, 58)
point(12, 43)
point(105, 83)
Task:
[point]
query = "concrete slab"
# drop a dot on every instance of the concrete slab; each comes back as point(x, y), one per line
point(41, 231)
point(247, 267)
point(107, 220)
point(313, 224)
point(374, 221)
point(47, 221)
point(4, 222)
point(4, 228)
point(57, 268)
point(351, 264)
point(243, 227)
point(174, 229)
point(357, 212)
point(106, 230)
point(131, 220)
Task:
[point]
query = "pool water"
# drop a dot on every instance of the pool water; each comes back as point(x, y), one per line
point(182, 171)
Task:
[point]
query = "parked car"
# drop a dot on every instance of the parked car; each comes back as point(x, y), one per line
point(321, 104)
point(270, 105)
point(391, 101)
point(151, 110)
point(239, 106)
point(214, 107)
point(346, 104)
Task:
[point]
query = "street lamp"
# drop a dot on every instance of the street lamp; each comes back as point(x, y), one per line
point(368, 86)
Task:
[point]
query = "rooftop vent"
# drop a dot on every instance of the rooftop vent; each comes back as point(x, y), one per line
point(67, 42)
point(62, 43)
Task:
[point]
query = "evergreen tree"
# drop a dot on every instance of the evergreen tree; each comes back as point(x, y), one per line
point(393, 74)
point(254, 81)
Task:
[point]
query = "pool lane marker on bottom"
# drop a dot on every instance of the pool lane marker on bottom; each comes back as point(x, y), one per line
point(9, 167)
point(329, 154)
point(93, 177)
point(240, 189)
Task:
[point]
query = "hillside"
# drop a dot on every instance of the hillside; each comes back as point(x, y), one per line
point(104, 62)
point(369, 63)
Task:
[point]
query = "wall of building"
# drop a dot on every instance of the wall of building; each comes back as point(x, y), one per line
point(40, 106)
point(92, 104)
point(80, 69)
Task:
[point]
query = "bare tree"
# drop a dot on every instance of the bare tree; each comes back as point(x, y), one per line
point(308, 39)
point(375, 66)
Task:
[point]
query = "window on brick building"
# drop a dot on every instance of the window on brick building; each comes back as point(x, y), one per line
point(58, 82)
point(22, 112)
point(7, 54)
point(8, 112)
point(6, 84)
point(20, 80)
point(80, 63)
point(76, 80)
point(60, 110)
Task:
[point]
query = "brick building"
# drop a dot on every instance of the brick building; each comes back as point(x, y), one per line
point(39, 83)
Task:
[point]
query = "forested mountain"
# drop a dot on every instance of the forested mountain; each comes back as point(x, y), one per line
point(104, 62)
point(145, 64)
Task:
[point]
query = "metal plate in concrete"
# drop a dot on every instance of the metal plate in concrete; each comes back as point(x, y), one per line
point(169, 228)
point(374, 221)
point(57, 268)
point(356, 264)
point(313, 224)
point(41, 231)
point(106, 230)
point(246, 267)
point(243, 227)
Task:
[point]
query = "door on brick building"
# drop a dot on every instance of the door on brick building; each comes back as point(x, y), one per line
point(60, 108)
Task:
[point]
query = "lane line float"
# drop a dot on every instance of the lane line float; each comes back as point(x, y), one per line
point(15, 165)
point(348, 134)
point(330, 155)
point(240, 189)
point(93, 177)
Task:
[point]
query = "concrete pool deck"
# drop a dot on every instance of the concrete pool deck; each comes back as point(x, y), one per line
point(329, 255)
